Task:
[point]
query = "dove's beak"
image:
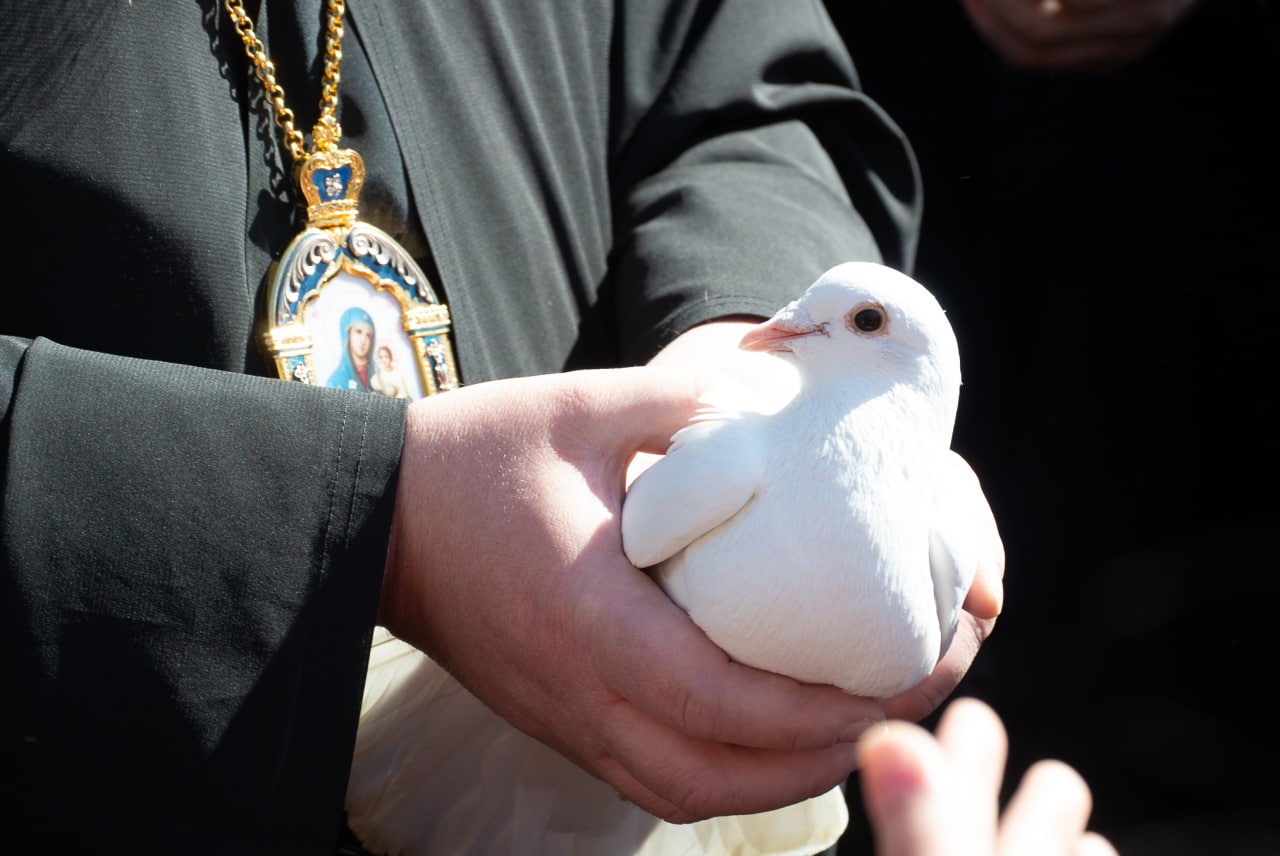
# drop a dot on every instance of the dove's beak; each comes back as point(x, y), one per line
point(774, 334)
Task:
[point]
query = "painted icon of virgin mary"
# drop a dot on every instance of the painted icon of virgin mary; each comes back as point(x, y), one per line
point(355, 370)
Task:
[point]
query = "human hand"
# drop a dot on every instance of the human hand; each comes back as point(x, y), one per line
point(1074, 35)
point(927, 796)
point(715, 345)
point(506, 566)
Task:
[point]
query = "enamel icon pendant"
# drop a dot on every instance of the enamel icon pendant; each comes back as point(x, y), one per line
point(346, 306)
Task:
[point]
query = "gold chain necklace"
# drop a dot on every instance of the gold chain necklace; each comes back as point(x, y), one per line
point(346, 306)
point(327, 131)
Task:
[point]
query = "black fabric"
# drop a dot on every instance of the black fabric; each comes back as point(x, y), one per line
point(187, 635)
point(192, 555)
point(1105, 245)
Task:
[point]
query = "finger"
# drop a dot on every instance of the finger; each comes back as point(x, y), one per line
point(1047, 813)
point(661, 662)
point(1054, 38)
point(986, 594)
point(1085, 57)
point(974, 741)
point(696, 779)
point(1080, 7)
point(928, 695)
point(1093, 844)
point(1059, 22)
point(1127, 16)
point(613, 773)
point(905, 788)
point(985, 597)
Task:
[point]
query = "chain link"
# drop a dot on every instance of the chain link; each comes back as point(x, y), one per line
point(327, 131)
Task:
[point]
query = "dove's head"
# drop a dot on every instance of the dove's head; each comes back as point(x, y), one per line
point(862, 318)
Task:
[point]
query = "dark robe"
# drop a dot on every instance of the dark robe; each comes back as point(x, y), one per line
point(192, 553)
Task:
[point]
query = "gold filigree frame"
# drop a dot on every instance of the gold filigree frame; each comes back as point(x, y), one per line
point(341, 282)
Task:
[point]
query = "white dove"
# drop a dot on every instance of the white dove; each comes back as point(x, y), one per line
point(824, 541)
point(800, 540)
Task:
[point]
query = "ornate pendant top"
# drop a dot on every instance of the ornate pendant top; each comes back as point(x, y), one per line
point(331, 183)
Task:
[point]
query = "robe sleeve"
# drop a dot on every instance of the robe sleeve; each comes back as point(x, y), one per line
point(191, 568)
point(749, 163)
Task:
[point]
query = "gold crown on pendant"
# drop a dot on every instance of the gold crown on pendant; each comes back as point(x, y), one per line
point(331, 182)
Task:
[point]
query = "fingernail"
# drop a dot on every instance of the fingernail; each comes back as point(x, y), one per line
point(857, 728)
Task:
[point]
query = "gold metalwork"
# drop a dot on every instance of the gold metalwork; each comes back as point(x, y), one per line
point(336, 249)
point(327, 132)
point(325, 211)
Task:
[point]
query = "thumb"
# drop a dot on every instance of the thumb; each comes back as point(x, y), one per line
point(986, 593)
point(642, 407)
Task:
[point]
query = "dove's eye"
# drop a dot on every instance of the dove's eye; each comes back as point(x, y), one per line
point(867, 318)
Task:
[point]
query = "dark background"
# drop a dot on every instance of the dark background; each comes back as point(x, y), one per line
point(1106, 247)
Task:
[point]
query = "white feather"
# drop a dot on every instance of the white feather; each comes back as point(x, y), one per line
point(436, 773)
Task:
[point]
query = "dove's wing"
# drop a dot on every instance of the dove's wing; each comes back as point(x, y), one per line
point(953, 545)
point(711, 471)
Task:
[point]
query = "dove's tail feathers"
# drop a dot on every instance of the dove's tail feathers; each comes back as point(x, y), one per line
point(803, 829)
point(436, 772)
